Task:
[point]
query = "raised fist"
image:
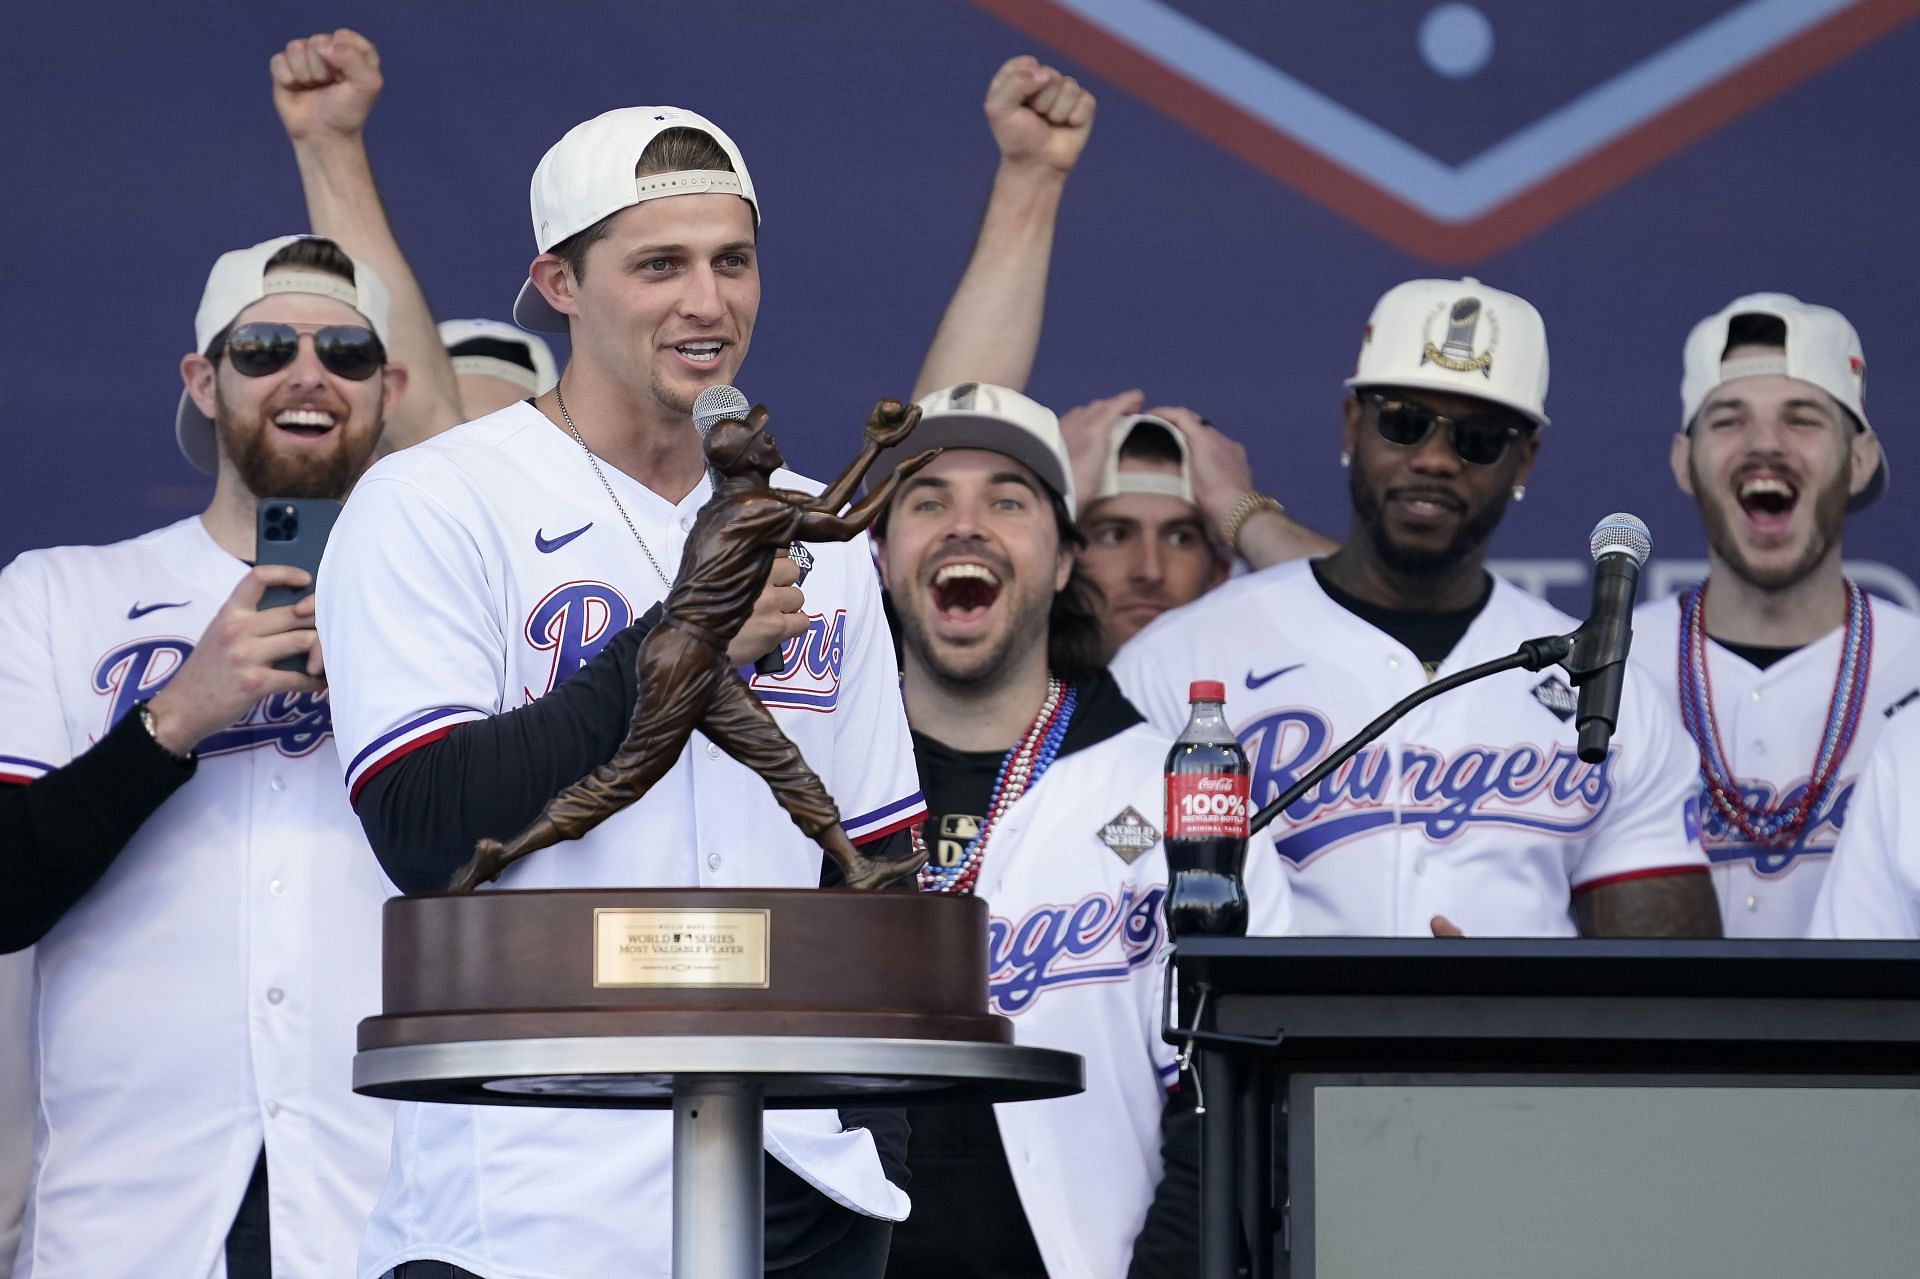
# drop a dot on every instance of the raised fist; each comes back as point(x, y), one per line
point(891, 422)
point(1039, 117)
point(326, 84)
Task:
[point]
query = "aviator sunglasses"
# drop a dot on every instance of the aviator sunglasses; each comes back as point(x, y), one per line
point(1480, 441)
point(350, 351)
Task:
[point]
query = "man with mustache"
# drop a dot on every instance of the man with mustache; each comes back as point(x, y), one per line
point(1045, 796)
point(1473, 812)
point(1783, 670)
point(175, 839)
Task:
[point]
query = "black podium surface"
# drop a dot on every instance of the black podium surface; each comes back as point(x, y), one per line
point(1279, 1018)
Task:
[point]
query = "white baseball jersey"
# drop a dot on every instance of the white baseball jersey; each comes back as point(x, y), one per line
point(1872, 887)
point(202, 998)
point(1475, 806)
point(469, 575)
point(1771, 722)
point(1076, 878)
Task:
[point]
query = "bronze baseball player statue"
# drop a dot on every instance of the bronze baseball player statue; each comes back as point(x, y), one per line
point(686, 681)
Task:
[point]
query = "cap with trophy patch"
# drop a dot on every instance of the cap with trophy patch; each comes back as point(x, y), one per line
point(1460, 337)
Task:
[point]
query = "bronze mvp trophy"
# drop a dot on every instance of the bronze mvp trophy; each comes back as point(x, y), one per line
point(716, 1002)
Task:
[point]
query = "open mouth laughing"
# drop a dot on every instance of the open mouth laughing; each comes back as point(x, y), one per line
point(306, 422)
point(1767, 499)
point(963, 593)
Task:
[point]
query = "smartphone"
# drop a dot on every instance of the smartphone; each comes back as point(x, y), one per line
point(292, 530)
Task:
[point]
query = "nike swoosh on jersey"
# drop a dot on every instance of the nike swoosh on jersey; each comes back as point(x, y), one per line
point(548, 545)
point(1255, 681)
point(141, 610)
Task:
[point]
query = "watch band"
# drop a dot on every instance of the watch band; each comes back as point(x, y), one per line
point(144, 710)
point(1243, 510)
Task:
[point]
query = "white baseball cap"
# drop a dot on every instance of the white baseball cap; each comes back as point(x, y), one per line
point(1461, 337)
point(237, 281)
point(980, 415)
point(1822, 350)
point(588, 175)
point(1115, 482)
point(492, 348)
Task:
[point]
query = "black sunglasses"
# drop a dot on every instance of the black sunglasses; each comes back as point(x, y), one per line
point(1481, 441)
point(350, 351)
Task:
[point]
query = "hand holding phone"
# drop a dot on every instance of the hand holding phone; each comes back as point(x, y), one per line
point(292, 531)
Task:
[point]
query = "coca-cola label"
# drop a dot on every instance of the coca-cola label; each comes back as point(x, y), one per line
point(1203, 807)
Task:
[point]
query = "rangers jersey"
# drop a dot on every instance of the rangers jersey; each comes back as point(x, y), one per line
point(1474, 806)
point(1771, 722)
point(1076, 879)
point(1872, 888)
point(202, 998)
point(471, 574)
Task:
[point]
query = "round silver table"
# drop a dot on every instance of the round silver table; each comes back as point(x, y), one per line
point(718, 1088)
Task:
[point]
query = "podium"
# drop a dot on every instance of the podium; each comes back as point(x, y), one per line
point(1318, 1025)
point(716, 1003)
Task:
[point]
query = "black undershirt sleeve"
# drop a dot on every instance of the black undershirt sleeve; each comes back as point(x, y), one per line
point(60, 832)
point(490, 777)
point(1168, 1246)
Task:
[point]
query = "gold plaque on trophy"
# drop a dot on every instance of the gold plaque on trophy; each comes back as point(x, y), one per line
point(673, 947)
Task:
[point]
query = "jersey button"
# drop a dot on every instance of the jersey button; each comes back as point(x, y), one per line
point(713, 861)
point(1393, 663)
point(1757, 695)
point(686, 522)
point(1753, 903)
point(277, 783)
point(1420, 866)
point(275, 995)
point(278, 888)
point(713, 752)
point(273, 1108)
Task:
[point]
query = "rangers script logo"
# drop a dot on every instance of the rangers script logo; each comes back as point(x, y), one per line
point(1099, 938)
point(295, 724)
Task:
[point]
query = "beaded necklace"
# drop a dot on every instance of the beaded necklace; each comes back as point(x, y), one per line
point(1021, 768)
point(1772, 826)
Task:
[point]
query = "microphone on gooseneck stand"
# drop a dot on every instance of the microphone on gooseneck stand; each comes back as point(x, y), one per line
point(1598, 662)
point(717, 404)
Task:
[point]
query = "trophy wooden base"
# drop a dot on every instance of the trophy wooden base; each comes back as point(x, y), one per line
point(618, 963)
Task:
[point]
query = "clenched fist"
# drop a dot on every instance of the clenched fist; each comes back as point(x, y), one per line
point(1040, 118)
point(326, 84)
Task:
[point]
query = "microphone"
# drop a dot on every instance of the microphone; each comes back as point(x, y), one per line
point(717, 404)
point(1598, 663)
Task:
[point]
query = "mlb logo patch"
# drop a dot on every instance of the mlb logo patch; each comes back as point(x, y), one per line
point(1554, 694)
point(1129, 834)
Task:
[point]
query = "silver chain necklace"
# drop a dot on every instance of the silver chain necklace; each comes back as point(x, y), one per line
point(594, 462)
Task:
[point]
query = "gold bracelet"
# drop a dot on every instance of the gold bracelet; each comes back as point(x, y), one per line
point(145, 712)
point(1242, 511)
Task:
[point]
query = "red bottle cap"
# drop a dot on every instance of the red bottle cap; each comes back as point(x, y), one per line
point(1206, 690)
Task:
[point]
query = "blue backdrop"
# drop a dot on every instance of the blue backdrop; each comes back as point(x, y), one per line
point(1258, 174)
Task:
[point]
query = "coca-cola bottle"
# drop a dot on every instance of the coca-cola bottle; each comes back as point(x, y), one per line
point(1207, 815)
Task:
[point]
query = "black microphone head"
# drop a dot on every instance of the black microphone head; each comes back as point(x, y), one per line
point(718, 404)
point(1619, 534)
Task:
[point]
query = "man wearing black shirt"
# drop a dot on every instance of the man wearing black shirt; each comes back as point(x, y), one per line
point(1044, 794)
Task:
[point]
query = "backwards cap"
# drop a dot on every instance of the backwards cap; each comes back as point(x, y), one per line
point(588, 175)
point(237, 281)
point(1822, 350)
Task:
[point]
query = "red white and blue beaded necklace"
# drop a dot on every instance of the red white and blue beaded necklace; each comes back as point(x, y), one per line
point(1777, 825)
point(1022, 767)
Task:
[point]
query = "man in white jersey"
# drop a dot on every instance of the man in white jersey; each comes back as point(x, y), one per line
point(1045, 791)
point(206, 912)
point(1475, 808)
point(1782, 670)
point(477, 606)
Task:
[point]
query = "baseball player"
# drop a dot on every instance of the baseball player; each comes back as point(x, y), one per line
point(1474, 811)
point(477, 606)
point(1045, 792)
point(205, 909)
point(1872, 888)
point(1782, 669)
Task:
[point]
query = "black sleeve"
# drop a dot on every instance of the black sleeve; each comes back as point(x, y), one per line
point(59, 833)
point(1169, 1242)
point(489, 778)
